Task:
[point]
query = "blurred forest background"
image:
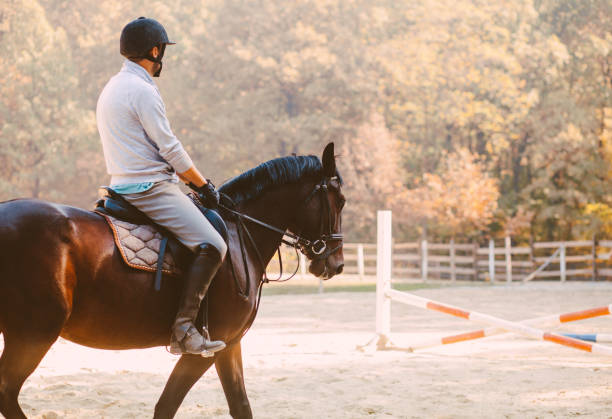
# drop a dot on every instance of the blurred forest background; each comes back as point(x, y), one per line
point(469, 118)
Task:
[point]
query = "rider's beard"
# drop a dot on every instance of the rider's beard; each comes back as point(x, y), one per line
point(158, 68)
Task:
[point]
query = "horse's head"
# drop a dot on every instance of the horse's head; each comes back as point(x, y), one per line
point(321, 220)
point(312, 214)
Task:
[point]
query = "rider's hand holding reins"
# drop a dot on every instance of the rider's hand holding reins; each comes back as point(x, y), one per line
point(205, 189)
point(208, 194)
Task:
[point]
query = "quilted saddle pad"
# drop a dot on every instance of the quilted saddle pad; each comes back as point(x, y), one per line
point(139, 246)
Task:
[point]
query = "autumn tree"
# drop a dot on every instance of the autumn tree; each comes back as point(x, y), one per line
point(524, 86)
point(371, 165)
point(459, 200)
point(567, 157)
point(272, 80)
point(42, 126)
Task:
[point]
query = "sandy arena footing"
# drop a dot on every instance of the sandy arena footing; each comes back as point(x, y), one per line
point(301, 361)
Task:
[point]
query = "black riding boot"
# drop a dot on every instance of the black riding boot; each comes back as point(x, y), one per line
point(185, 336)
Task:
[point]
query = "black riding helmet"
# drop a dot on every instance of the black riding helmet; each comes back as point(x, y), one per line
point(138, 38)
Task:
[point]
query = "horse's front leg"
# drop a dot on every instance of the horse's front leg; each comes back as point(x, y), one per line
point(186, 373)
point(229, 368)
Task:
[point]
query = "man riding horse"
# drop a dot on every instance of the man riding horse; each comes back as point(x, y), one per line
point(146, 160)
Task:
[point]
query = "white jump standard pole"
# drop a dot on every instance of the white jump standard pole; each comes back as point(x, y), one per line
point(523, 329)
point(383, 278)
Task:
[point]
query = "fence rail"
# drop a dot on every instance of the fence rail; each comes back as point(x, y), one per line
point(499, 261)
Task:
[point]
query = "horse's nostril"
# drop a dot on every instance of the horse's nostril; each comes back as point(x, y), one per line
point(340, 268)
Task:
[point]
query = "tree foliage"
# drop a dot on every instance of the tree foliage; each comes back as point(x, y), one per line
point(467, 116)
point(463, 197)
point(41, 123)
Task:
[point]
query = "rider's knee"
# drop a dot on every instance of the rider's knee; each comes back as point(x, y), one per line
point(222, 248)
point(219, 245)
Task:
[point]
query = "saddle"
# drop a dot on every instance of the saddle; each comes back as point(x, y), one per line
point(145, 245)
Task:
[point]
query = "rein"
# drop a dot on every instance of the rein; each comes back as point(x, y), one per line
point(313, 249)
point(242, 229)
point(317, 247)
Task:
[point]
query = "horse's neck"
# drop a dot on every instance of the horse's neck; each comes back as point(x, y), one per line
point(278, 208)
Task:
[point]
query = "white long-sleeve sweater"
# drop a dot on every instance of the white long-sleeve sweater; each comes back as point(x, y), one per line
point(139, 145)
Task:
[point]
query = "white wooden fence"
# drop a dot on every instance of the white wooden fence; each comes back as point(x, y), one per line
point(497, 261)
point(502, 261)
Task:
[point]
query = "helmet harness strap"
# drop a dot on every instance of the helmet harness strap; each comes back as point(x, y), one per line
point(162, 49)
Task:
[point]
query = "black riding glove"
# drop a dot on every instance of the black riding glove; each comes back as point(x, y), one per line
point(208, 194)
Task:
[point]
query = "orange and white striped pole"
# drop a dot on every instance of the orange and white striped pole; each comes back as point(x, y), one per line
point(554, 319)
point(521, 328)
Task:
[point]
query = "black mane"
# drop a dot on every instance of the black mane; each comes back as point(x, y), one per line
point(276, 172)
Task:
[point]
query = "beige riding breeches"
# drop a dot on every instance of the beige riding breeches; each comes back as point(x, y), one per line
point(169, 207)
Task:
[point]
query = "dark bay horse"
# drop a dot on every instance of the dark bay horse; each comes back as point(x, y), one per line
point(61, 275)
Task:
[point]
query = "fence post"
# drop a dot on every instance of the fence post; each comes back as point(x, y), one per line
point(452, 260)
point(508, 249)
point(562, 262)
point(360, 262)
point(594, 253)
point(424, 262)
point(302, 265)
point(476, 247)
point(383, 278)
point(492, 260)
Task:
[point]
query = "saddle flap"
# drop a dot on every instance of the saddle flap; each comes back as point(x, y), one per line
point(217, 222)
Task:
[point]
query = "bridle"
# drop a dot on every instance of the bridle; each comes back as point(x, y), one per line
point(314, 250)
point(319, 249)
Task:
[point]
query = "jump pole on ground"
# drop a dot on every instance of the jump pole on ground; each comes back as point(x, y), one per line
point(554, 319)
point(590, 337)
point(384, 294)
point(520, 328)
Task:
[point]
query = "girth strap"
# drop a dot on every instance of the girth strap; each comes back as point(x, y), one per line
point(160, 262)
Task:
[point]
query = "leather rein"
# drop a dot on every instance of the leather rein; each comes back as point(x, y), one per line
point(313, 249)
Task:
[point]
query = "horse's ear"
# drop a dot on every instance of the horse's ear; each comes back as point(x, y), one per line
point(329, 161)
